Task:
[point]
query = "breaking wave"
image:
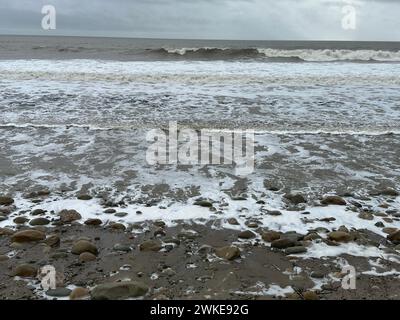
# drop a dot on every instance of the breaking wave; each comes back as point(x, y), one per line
point(306, 55)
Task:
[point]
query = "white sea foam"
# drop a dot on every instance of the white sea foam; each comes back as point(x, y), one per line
point(313, 55)
point(288, 221)
point(302, 99)
point(309, 55)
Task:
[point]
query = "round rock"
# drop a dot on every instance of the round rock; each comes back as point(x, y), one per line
point(87, 257)
point(39, 222)
point(58, 292)
point(28, 236)
point(228, 252)
point(25, 270)
point(84, 246)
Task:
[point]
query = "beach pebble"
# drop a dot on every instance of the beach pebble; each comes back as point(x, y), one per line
point(273, 212)
point(366, 216)
point(79, 293)
point(293, 236)
point(28, 236)
point(394, 237)
point(252, 224)
point(93, 222)
point(150, 245)
point(5, 211)
point(228, 252)
point(203, 203)
point(58, 292)
point(68, 216)
point(327, 219)
point(119, 290)
point(25, 270)
point(159, 223)
point(380, 214)
point(295, 250)
point(87, 257)
point(312, 236)
point(282, 243)
point(38, 212)
point(233, 221)
point(20, 220)
point(317, 275)
point(6, 201)
point(84, 246)
point(270, 236)
point(39, 222)
point(247, 234)
point(389, 230)
point(334, 200)
point(339, 236)
point(310, 295)
point(121, 214)
point(53, 240)
point(84, 197)
point(117, 226)
point(6, 232)
point(35, 194)
point(295, 198)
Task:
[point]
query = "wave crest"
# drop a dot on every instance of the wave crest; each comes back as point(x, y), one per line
point(306, 55)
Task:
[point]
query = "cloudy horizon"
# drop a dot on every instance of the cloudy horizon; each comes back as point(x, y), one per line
point(376, 20)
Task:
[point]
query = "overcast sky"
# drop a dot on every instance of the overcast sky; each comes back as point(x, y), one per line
point(212, 19)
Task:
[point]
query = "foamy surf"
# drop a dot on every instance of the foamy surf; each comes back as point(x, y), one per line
point(306, 55)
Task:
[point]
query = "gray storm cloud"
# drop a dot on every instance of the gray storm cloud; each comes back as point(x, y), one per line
point(222, 19)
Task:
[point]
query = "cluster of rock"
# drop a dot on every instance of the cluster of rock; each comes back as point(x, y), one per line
point(35, 229)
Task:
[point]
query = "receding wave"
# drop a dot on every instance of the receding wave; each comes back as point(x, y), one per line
point(306, 55)
point(200, 79)
point(383, 131)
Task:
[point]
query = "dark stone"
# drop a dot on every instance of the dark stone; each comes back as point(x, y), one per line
point(296, 250)
point(119, 290)
point(58, 292)
point(282, 243)
point(39, 222)
point(247, 234)
point(295, 198)
point(334, 200)
point(6, 201)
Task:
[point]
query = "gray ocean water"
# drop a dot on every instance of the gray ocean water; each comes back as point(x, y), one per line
point(125, 49)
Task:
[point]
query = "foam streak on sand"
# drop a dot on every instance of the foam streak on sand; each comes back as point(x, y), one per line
point(175, 212)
